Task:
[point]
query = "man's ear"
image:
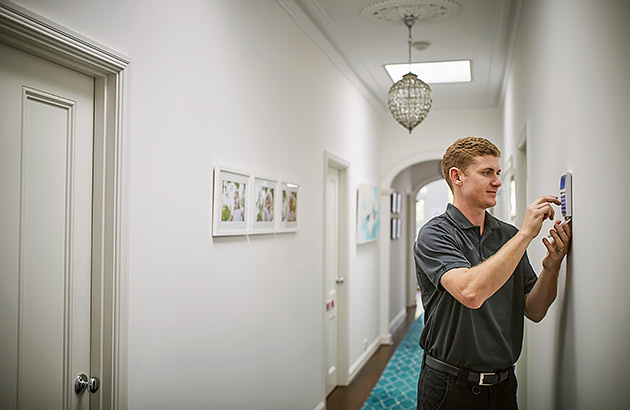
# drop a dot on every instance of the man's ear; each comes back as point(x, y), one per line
point(455, 174)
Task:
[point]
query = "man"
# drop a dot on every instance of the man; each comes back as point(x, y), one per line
point(477, 283)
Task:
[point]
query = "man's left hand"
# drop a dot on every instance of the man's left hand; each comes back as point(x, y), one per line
point(558, 247)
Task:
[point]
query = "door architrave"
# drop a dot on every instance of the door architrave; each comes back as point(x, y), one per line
point(343, 377)
point(31, 33)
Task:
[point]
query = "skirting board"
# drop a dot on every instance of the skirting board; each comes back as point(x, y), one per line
point(365, 356)
point(397, 321)
point(320, 406)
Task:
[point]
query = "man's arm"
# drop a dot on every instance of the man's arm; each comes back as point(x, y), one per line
point(544, 292)
point(473, 286)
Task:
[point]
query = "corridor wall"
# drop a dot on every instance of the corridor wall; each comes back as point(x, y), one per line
point(233, 322)
point(569, 90)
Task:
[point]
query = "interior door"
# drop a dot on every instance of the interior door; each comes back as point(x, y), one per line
point(46, 137)
point(332, 276)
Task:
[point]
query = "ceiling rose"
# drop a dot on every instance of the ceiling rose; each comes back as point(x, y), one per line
point(393, 11)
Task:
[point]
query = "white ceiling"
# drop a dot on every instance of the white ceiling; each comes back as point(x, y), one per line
point(482, 31)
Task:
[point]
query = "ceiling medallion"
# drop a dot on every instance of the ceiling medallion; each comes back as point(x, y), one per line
point(425, 11)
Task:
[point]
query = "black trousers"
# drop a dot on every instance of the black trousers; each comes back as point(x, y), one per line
point(440, 391)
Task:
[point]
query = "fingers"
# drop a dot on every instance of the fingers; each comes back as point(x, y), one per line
point(547, 211)
point(563, 231)
point(561, 239)
point(549, 246)
point(558, 243)
point(547, 199)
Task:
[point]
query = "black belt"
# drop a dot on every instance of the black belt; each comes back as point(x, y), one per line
point(481, 379)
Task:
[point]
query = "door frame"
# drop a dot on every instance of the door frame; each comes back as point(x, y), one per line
point(31, 33)
point(343, 378)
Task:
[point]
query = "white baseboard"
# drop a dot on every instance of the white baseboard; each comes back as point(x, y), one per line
point(386, 339)
point(320, 406)
point(397, 321)
point(362, 360)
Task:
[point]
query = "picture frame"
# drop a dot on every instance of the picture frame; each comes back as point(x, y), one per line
point(368, 214)
point(288, 207)
point(231, 197)
point(264, 206)
point(396, 228)
point(396, 203)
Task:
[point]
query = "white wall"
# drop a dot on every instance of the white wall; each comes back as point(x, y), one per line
point(569, 79)
point(399, 250)
point(230, 323)
point(429, 140)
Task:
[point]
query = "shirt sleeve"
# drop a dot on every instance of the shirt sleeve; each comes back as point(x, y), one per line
point(436, 252)
point(529, 276)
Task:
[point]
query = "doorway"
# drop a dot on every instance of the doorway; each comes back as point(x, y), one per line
point(334, 275)
point(64, 243)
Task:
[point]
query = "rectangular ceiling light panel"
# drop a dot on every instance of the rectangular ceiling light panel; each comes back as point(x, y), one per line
point(433, 73)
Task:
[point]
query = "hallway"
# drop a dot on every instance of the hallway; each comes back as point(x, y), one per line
point(353, 397)
point(261, 92)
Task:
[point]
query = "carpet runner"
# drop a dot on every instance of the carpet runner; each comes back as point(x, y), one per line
point(397, 388)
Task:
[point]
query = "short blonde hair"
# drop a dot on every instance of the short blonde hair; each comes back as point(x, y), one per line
point(462, 153)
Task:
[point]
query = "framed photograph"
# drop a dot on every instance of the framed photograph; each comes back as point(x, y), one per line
point(368, 214)
point(396, 202)
point(394, 228)
point(230, 202)
point(289, 210)
point(264, 210)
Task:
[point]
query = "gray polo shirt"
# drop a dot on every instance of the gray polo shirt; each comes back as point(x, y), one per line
point(484, 339)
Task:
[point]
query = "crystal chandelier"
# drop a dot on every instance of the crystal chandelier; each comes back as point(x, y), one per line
point(409, 99)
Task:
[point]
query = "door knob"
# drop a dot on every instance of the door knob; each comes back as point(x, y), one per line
point(81, 383)
point(339, 279)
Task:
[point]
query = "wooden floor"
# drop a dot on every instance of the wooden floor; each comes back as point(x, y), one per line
point(353, 396)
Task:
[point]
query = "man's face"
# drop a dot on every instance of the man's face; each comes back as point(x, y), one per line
point(480, 182)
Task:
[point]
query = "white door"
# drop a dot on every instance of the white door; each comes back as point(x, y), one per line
point(331, 249)
point(46, 138)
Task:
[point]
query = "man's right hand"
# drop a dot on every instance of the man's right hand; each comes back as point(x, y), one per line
point(536, 213)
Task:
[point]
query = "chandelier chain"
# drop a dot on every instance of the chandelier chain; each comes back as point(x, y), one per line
point(409, 22)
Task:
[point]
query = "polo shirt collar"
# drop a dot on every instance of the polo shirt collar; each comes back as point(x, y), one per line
point(464, 223)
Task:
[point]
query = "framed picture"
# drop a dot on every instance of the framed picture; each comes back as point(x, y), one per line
point(264, 210)
point(396, 202)
point(230, 202)
point(368, 214)
point(394, 228)
point(289, 210)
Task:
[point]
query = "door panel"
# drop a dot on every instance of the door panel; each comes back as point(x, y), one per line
point(46, 129)
point(332, 272)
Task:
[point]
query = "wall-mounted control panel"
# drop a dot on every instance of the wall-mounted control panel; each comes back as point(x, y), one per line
point(566, 196)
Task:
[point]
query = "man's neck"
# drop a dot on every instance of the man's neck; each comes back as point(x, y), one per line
point(476, 216)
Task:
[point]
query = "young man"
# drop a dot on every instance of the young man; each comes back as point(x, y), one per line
point(477, 283)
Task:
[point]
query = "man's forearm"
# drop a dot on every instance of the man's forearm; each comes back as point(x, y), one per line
point(473, 286)
point(542, 295)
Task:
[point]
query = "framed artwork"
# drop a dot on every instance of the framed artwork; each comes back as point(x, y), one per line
point(264, 215)
point(396, 203)
point(368, 214)
point(396, 228)
point(288, 207)
point(230, 202)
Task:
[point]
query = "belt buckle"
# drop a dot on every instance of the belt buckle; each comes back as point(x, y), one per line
point(482, 377)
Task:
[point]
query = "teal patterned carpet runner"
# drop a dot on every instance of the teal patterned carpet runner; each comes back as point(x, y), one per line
point(398, 385)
